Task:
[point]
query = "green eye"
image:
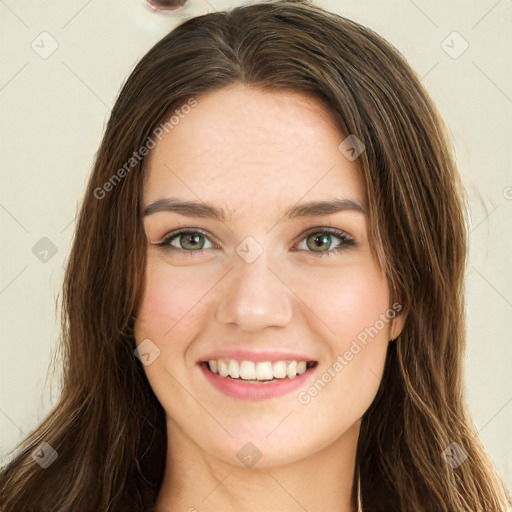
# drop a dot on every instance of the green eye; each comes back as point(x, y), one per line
point(187, 241)
point(324, 238)
point(191, 241)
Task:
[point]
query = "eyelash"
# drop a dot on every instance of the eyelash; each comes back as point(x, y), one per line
point(346, 241)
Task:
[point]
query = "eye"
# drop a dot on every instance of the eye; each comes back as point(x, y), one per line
point(320, 238)
point(186, 241)
point(189, 241)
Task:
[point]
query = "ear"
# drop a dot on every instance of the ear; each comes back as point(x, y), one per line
point(397, 325)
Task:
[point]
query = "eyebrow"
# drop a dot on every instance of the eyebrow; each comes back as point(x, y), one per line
point(203, 210)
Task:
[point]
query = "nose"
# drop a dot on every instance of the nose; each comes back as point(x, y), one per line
point(254, 297)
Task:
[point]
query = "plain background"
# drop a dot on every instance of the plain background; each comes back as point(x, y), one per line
point(54, 108)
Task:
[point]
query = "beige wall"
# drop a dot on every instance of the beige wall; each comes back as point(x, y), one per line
point(54, 109)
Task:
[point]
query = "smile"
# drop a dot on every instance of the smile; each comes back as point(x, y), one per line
point(250, 380)
point(256, 372)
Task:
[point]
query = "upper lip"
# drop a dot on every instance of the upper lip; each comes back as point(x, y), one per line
point(247, 355)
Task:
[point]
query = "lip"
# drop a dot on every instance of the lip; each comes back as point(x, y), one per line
point(256, 392)
point(246, 355)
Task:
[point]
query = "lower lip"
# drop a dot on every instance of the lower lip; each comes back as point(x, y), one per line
point(254, 392)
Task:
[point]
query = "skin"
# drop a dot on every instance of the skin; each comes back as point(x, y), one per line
point(254, 154)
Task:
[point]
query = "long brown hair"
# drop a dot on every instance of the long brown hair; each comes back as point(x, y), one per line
point(108, 428)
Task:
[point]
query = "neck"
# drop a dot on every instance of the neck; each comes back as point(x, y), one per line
point(197, 481)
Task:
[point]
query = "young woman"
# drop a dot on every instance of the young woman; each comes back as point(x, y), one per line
point(263, 307)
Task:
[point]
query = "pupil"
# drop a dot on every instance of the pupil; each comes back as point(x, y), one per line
point(321, 239)
point(195, 239)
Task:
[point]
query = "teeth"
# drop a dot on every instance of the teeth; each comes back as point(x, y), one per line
point(234, 370)
point(279, 369)
point(247, 369)
point(301, 367)
point(222, 367)
point(264, 371)
point(260, 371)
point(291, 371)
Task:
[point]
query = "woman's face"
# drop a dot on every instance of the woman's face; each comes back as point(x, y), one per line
point(272, 280)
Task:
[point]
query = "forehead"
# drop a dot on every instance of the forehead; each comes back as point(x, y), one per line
point(242, 144)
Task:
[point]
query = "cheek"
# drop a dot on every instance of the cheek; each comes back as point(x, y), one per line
point(353, 307)
point(349, 300)
point(169, 317)
point(170, 303)
point(158, 312)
